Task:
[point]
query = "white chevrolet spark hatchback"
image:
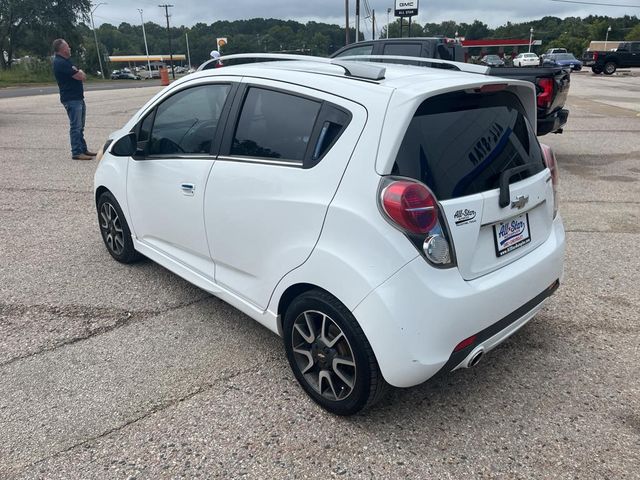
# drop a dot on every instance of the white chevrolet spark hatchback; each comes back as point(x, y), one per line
point(389, 222)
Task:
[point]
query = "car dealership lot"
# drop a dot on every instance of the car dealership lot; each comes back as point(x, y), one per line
point(111, 371)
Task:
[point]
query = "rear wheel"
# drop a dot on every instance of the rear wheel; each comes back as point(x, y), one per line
point(597, 70)
point(115, 230)
point(330, 355)
point(610, 68)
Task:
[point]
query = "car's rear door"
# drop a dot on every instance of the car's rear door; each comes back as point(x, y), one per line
point(463, 145)
point(284, 153)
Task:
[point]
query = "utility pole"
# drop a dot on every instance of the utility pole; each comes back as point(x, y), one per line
point(388, 13)
point(166, 13)
point(373, 23)
point(346, 22)
point(95, 36)
point(188, 53)
point(146, 48)
point(357, 21)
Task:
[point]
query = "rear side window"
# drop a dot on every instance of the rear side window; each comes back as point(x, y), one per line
point(360, 50)
point(458, 144)
point(274, 124)
point(403, 49)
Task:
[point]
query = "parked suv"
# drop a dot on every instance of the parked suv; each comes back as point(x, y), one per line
point(388, 221)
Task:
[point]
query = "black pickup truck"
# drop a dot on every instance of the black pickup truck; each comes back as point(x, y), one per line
point(626, 55)
point(552, 84)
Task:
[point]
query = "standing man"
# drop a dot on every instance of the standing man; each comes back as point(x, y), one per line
point(70, 79)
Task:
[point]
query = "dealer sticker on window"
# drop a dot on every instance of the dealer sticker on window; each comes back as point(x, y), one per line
point(512, 234)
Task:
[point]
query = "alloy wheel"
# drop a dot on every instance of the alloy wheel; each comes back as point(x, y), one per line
point(323, 355)
point(111, 228)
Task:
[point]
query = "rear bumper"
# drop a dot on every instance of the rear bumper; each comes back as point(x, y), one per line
point(417, 317)
point(553, 122)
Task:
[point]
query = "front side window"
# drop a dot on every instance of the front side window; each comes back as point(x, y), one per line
point(274, 125)
point(186, 122)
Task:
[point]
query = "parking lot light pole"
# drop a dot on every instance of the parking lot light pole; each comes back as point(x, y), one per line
point(606, 39)
point(95, 36)
point(144, 35)
point(530, 38)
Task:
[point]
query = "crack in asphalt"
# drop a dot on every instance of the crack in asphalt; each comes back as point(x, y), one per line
point(44, 190)
point(613, 202)
point(158, 408)
point(605, 232)
point(122, 319)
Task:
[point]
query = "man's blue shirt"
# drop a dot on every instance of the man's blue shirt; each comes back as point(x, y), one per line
point(70, 88)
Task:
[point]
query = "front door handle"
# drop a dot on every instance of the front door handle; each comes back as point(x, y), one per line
point(188, 188)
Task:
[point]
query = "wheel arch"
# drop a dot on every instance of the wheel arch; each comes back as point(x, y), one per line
point(290, 294)
point(99, 191)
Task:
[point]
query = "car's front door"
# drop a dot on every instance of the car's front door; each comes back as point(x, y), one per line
point(166, 180)
point(269, 190)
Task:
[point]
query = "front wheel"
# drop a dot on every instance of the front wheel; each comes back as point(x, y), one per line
point(115, 230)
point(610, 68)
point(329, 354)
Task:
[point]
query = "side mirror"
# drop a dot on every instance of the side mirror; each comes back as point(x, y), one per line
point(126, 146)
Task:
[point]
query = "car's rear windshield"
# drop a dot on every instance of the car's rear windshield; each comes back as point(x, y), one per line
point(459, 143)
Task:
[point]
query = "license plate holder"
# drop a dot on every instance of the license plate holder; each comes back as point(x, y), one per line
point(511, 234)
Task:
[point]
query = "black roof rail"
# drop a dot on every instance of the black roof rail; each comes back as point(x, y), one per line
point(351, 68)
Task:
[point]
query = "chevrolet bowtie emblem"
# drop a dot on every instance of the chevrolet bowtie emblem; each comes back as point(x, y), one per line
point(520, 202)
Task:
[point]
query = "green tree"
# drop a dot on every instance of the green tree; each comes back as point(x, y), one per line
point(634, 34)
point(39, 21)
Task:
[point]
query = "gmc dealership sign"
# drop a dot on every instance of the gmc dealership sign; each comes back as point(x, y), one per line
point(406, 8)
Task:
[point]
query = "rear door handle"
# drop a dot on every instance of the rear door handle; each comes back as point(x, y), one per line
point(188, 188)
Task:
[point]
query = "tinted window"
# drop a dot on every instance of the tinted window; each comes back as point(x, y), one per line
point(459, 144)
point(187, 121)
point(274, 125)
point(403, 49)
point(361, 50)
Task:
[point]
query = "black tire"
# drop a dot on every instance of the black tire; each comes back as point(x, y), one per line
point(317, 324)
point(115, 230)
point(610, 68)
point(597, 70)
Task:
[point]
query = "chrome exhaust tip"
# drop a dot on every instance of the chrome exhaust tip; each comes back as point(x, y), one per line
point(474, 357)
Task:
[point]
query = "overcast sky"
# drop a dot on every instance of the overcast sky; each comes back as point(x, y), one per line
point(492, 12)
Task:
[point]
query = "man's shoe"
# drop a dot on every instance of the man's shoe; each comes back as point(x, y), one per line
point(91, 154)
point(82, 156)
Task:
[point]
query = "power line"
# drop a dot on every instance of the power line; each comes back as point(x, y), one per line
point(598, 4)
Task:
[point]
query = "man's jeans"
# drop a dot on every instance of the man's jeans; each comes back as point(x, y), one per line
point(77, 111)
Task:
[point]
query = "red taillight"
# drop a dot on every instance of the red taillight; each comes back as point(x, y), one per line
point(465, 343)
point(550, 161)
point(410, 205)
point(545, 97)
point(595, 56)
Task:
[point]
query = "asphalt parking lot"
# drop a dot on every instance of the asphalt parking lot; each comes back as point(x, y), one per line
point(114, 371)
